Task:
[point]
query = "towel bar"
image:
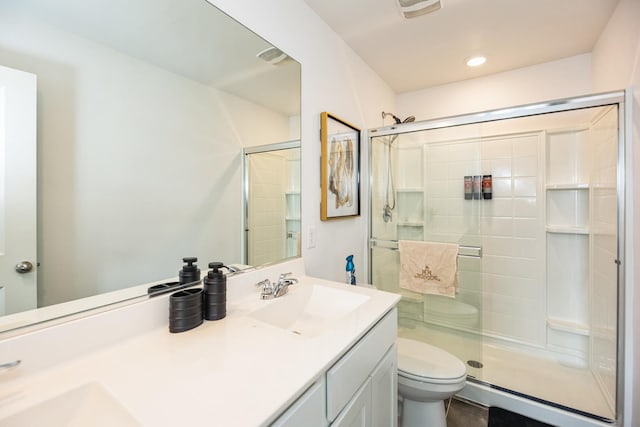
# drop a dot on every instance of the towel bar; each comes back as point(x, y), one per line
point(464, 250)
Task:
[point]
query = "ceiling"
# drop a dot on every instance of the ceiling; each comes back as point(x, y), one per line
point(430, 50)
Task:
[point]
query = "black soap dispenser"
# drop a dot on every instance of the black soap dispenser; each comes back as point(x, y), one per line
point(215, 292)
point(190, 273)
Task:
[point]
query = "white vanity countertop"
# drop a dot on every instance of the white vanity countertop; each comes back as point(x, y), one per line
point(236, 371)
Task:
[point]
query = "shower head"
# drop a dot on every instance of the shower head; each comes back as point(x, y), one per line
point(397, 119)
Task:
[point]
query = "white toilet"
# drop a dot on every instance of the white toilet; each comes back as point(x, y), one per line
point(427, 375)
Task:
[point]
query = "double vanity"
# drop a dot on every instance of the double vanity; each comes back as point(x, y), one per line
point(322, 354)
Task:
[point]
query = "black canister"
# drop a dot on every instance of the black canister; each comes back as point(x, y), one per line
point(185, 310)
point(190, 273)
point(215, 292)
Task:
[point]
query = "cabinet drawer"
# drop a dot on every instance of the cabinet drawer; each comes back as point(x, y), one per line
point(349, 373)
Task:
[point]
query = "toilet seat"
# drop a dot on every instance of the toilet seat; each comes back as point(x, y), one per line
point(419, 361)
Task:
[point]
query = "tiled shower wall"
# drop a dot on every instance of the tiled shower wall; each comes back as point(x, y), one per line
point(546, 278)
point(507, 283)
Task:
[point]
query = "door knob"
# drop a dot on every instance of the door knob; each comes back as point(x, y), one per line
point(24, 267)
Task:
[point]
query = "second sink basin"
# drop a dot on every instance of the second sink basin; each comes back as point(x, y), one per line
point(308, 310)
point(87, 405)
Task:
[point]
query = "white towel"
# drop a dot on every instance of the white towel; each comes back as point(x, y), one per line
point(429, 267)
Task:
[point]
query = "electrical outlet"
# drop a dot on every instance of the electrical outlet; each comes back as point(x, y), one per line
point(311, 238)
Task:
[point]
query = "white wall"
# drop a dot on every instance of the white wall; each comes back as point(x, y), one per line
point(558, 79)
point(334, 79)
point(102, 226)
point(616, 65)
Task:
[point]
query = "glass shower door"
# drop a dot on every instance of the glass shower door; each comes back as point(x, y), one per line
point(418, 194)
point(535, 312)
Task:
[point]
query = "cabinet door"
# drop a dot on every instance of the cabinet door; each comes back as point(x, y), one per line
point(357, 413)
point(384, 391)
point(349, 373)
point(308, 410)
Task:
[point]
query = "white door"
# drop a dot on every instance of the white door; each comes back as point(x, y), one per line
point(18, 287)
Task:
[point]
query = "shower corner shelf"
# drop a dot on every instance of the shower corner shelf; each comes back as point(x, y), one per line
point(410, 224)
point(568, 326)
point(561, 229)
point(578, 186)
point(410, 190)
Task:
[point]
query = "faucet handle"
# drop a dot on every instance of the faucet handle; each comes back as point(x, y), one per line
point(266, 288)
point(262, 283)
point(284, 276)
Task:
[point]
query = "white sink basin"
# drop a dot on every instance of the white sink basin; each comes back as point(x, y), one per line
point(308, 310)
point(87, 405)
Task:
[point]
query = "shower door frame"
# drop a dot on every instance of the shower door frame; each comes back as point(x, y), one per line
point(617, 98)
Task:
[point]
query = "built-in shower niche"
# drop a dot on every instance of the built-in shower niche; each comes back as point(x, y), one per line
point(410, 192)
point(567, 297)
point(410, 213)
point(568, 177)
point(568, 209)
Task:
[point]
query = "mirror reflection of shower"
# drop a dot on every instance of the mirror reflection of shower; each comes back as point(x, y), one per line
point(390, 191)
point(272, 202)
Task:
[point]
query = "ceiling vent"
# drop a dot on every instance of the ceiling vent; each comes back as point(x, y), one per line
point(413, 8)
point(272, 55)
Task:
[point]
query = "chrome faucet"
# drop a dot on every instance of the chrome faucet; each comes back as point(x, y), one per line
point(283, 284)
point(274, 290)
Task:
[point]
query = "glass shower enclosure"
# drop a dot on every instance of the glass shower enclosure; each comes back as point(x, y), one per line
point(533, 197)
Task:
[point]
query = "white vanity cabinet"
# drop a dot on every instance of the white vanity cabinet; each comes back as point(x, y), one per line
point(375, 403)
point(384, 391)
point(308, 410)
point(358, 411)
point(360, 389)
point(372, 359)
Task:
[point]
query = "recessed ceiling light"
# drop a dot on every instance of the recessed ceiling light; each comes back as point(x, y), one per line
point(476, 61)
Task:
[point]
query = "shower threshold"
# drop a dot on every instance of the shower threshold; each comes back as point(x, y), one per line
point(534, 399)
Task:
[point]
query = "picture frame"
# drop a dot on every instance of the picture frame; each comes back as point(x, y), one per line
point(339, 168)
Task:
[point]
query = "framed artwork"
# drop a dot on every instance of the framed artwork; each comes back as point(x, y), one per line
point(339, 168)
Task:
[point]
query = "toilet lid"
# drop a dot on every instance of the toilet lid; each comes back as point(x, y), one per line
point(416, 358)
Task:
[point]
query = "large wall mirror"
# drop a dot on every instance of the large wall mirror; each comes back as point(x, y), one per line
point(142, 112)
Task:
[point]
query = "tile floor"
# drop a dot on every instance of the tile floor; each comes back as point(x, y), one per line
point(467, 414)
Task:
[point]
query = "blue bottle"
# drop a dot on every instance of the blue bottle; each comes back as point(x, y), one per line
point(351, 271)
